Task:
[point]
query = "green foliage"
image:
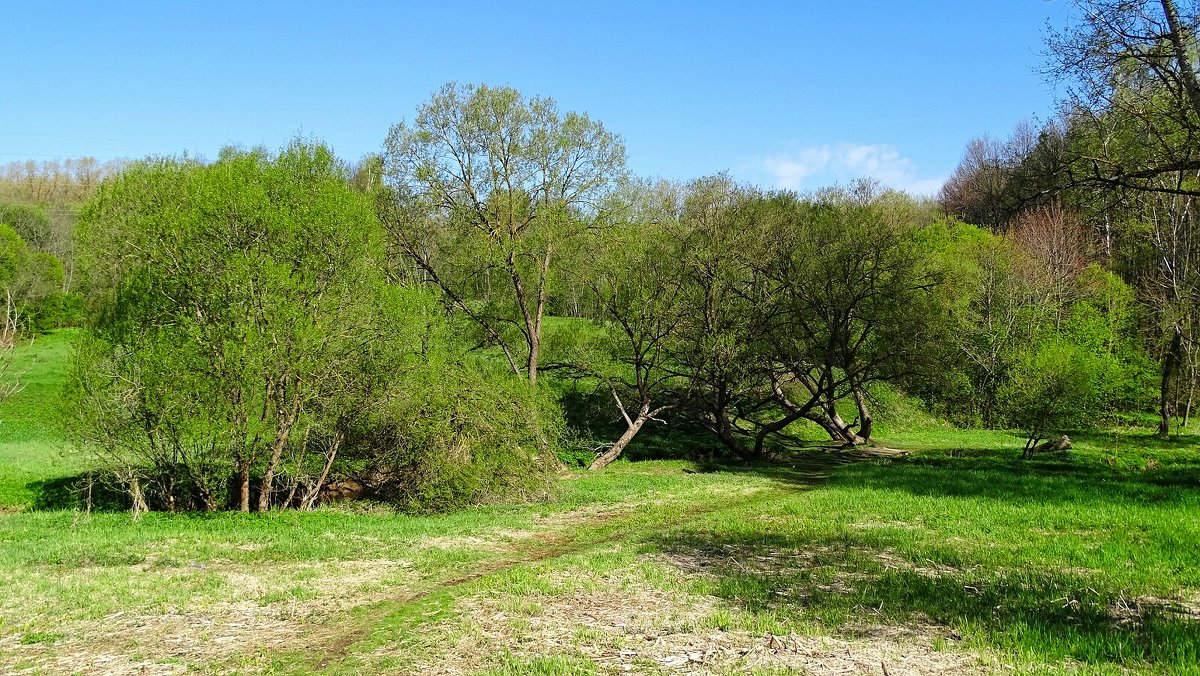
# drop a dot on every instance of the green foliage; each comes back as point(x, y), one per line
point(468, 434)
point(253, 336)
point(57, 310)
point(1012, 340)
point(1029, 563)
point(31, 284)
point(239, 323)
point(1104, 323)
point(488, 188)
point(452, 428)
point(32, 223)
point(1082, 370)
point(1053, 386)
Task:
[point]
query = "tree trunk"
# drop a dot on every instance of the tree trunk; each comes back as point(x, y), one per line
point(1170, 366)
point(535, 347)
point(532, 317)
point(535, 344)
point(207, 503)
point(865, 421)
point(295, 483)
point(767, 430)
point(725, 433)
point(1179, 42)
point(139, 501)
point(837, 429)
point(1187, 410)
point(1063, 443)
point(311, 496)
point(244, 485)
point(844, 431)
point(614, 452)
point(282, 433)
point(168, 483)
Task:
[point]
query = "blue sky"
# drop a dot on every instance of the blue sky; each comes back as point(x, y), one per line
point(784, 94)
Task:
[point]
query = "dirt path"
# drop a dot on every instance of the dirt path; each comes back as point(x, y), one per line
point(801, 473)
point(550, 545)
point(359, 600)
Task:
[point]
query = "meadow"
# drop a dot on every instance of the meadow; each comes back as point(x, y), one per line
point(955, 556)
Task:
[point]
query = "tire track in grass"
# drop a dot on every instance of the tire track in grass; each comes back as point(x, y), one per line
point(625, 525)
point(551, 548)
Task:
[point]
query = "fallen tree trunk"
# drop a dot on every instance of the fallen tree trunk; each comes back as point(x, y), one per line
point(1062, 443)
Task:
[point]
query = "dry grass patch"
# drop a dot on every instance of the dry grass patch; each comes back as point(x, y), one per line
point(494, 541)
point(600, 513)
point(1132, 611)
point(775, 562)
point(253, 609)
point(622, 623)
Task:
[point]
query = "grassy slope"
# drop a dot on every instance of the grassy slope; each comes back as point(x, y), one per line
point(32, 448)
point(1087, 561)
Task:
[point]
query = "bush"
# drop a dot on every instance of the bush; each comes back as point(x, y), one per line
point(30, 285)
point(31, 222)
point(58, 310)
point(463, 434)
point(1054, 386)
point(252, 350)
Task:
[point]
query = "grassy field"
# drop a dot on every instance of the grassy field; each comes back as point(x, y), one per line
point(32, 449)
point(958, 558)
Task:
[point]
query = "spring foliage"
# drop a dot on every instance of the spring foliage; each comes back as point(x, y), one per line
point(248, 351)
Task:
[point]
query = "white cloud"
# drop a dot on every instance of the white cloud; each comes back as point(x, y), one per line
point(810, 167)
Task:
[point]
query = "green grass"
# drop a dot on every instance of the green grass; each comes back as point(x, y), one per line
point(1034, 560)
point(1086, 561)
point(33, 452)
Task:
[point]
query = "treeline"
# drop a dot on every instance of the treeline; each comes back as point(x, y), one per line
point(1114, 178)
point(276, 330)
point(39, 208)
point(57, 181)
point(494, 296)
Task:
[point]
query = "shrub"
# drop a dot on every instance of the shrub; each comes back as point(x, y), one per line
point(247, 349)
point(1051, 387)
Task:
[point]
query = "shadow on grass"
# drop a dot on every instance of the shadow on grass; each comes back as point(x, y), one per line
point(72, 492)
point(1143, 440)
point(846, 579)
point(852, 585)
point(1050, 480)
point(1070, 477)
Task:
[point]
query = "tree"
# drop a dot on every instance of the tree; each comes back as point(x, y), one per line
point(235, 304)
point(992, 309)
point(1133, 98)
point(847, 301)
point(1133, 109)
point(711, 348)
point(28, 279)
point(30, 222)
point(1056, 244)
point(995, 182)
point(1052, 387)
point(634, 279)
point(790, 306)
point(489, 186)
